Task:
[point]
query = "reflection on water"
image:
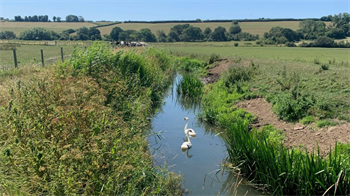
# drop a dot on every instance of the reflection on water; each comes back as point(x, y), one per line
point(187, 153)
point(201, 164)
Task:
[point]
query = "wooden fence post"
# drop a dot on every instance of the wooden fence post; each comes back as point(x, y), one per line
point(15, 57)
point(42, 57)
point(62, 54)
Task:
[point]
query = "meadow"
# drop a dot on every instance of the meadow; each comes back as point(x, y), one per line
point(227, 49)
point(28, 54)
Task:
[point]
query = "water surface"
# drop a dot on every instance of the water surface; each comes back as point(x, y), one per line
point(200, 165)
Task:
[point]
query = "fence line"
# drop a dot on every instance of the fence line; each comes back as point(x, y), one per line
point(47, 43)
point(43, 60)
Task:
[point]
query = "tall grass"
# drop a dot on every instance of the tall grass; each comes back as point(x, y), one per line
point(282, 171)
point(79, 129)
point(190, 86)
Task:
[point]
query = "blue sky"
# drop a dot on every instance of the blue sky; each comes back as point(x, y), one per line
point(121, 10)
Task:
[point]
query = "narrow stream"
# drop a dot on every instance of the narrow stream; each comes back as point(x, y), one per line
point(200, 165)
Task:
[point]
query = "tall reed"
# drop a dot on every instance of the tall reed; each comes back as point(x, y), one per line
point(190, 86)
point(284, 171)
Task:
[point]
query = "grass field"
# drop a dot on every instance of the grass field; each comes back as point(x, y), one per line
point(27, 54)
point(250, 27)
point(227, 49)
point(330, 85)
point(18, 27)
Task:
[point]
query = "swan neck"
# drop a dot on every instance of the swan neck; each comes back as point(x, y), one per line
point(188, 138)
point(186, 125)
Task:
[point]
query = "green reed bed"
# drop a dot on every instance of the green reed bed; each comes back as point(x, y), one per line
point(282, 171)
point(79, 127)
point(190, 86)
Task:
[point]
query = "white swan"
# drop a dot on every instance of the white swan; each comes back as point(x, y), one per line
point(188, 144)
point(191, 132)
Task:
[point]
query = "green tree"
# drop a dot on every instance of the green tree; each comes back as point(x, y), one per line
point(161, 36)
point(7, 35)
point(234, 29)
point(94, 34)
point(58, 19)
point(38, 33)
point(35, 18)
point(126, 35)
point(312, 29)
point(83, 33)
point(191, 34)
point(81, 19)
point(173, 36)
point(147, 35)
point(179, 28)
point(115, 33)
point(72, 18)
point(206, 32)
point(336, 33)
point(54, 18)
point(218, 34)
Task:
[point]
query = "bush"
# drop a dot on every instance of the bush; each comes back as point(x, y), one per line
point(235, 44)
point(290, 44)
point(323, 41)
point(324, 66)
point(213, 58)
point(238, 74)
point(290, 108)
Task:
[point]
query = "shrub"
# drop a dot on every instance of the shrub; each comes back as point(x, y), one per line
point(290, 44)
point(238, 73)
point(291, 108)
point(323, 41)
point(213, 57)
point(324, 66)
point(236, 44)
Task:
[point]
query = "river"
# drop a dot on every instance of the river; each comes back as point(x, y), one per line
point(200, 165)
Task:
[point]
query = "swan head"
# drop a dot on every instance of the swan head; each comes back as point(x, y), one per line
point(186, 118)
point(190, 132)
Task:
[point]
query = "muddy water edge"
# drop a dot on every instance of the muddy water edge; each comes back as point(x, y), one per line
point(201, 166)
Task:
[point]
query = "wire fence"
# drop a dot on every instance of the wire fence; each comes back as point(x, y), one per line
point(43, 62)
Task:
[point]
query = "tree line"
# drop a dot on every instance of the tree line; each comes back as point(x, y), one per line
point(185, 33)
point(317, 31)
point(45, 18)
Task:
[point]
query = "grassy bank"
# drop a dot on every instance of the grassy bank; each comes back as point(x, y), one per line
point(260, 154)
point(79, 127)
